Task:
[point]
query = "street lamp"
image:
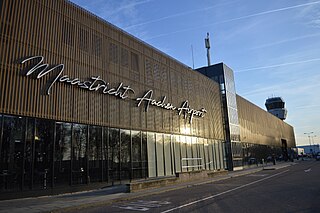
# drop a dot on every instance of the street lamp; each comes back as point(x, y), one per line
point(313, 136)
point(309, 133)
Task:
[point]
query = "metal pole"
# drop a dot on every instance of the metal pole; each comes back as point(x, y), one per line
point(309, 133)
point(309, 143)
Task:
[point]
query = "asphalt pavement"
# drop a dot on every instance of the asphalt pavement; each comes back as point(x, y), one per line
point(73, 202)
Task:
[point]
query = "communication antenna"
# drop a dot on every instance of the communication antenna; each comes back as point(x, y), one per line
point(207, 43)
point(192, 57)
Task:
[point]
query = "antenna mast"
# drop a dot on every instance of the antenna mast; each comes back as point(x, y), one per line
point(192, 57)
point(207, 43)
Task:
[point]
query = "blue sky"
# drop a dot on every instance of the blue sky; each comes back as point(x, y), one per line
point(272, 45)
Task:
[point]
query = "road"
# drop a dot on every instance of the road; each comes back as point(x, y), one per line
point(291, 189)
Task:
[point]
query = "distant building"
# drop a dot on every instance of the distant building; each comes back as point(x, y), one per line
point(300, 151)
point(310, 149)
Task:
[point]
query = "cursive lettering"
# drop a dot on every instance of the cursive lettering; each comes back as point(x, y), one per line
point(184, 109)
point(149, 101)
point(95, 84)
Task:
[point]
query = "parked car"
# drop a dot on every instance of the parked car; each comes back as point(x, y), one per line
point(252, 161)
point(318, 156)
point(269, 159)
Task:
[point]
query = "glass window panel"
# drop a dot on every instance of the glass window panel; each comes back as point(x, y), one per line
point(173, 169)
point(201, 153)
point(95, 153)
point(159, 150)
point(62, 154)
point(114, 151)
point(189, 154)
point(221, 155)
point(151, 154)
point(43, 140)
point(167, 154)
point(177, 152)
point(194, 146)
point(11, 160)
point(217, 155)
point(136, 154)
point(224, 155)
point(208, 158)
point(144, 155)
point(28, 159)
point(105, 173)
point(184, 162)
point(79, 154)
point(214, 148)
point(125, 154)
point(212, 155)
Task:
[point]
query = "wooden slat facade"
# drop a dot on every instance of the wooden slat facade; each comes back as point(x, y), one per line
point(257, 126)
point(64, 33)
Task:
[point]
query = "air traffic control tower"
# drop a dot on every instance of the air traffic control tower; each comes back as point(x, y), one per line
point(276, 106)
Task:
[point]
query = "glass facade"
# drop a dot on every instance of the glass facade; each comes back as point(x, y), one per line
point(41, 154)
point(151, 149)
point(257, 154)
point(223, 75)
point(79, 159)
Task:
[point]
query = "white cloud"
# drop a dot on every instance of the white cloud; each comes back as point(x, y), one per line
point(310, 15)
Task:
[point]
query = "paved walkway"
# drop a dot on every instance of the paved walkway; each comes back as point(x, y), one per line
point(73, 201)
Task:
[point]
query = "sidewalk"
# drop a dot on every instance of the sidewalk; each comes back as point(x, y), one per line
point(73, 201)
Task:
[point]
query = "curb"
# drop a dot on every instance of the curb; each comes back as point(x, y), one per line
point(72, 205)
point(143, 193)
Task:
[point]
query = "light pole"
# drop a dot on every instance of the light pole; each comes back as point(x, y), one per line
point(313, 136)
point(309, 133)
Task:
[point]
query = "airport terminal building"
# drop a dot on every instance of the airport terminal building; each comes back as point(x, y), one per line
point(84, 104)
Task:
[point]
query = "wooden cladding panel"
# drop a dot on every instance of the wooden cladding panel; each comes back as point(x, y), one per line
point(257, 125)
point(65, 34)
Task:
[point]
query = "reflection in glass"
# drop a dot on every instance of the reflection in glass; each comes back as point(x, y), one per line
point(159, 150)
point(221, 150)
point(114, 151)
point(189, 154)
point(212, 155)
point(177, 152)
point(62, 154)
point(105, 165)
point(136, 154)
point(95, 153)
point(194, 149)
point(11, 160)
point(79, 154)
point(202, 161)
point(224, 155)
point(125, 154)
point(167, 154)
point(82, 154)
point(217, 155)
point(151, 154)
point(144, 155)
point(29, 154)
point(184, 162)
point(208, 157)
point(43, 140)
